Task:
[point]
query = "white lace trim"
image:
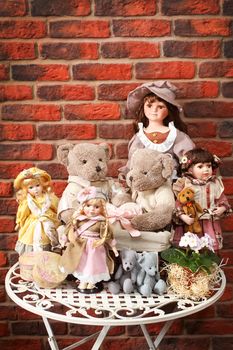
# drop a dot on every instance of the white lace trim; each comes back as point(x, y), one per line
point(160, 147)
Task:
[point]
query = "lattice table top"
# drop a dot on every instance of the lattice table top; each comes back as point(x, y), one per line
point(66, 304)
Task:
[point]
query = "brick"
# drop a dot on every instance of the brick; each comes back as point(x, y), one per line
point(2, 295)
point(6, 189)
point(3, 259)
point(4, 72)
point(98, 71)
point(226, 129)
point(229, 276)
point(20, 343)
point(227, 227)
point(24, 29)
point(122, 150)
point(222, 343)
point(209, 109)
point(79, 29)
point(125, 8)
point(216, 69)
point(165, 70)
point(228, 48)
point(56, 170)
point(35, 112)
point(4, 329)
point(119, 131)
point(199, 49)
point(69, 51)
point(11, 170)
point(37, 328)
point(69, 132)
point(227, 8)
point(16, 132)
point(220, 148)
point(7, 225)
point(227, 89)
point(40, 72)
point(228, 186)
point(100, 111)
point(188, 7)
point(17, 51)
point(35, 151)
point(197, 89)
point(59, 187)
point(61, 8)
point(115, 92)
point(15, 92)
point(141, 28)
point(8, 207)
point(65, 92)
point(203, 27)
point(133, 49)
point(227, 168)
point(202, 129)
point(12, 8)
point(216, 326)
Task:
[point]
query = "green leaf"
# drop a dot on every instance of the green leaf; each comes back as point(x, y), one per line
point(173, 255)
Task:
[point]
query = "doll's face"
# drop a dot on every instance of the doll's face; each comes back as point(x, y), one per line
point(155, 111)
point(35, 189)
point(201, 171)
point(92, 208)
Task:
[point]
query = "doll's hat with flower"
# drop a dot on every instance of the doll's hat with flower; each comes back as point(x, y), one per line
point(31, 174)
point(161, 88)
point(90, 193)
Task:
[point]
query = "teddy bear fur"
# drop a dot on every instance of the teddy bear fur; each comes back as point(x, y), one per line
point(87, 165)
point(149, 180)
point(191, 208)
point(148, 277)
point(126, 274)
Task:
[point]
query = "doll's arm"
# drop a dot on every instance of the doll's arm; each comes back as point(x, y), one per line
point(187, 219)
point(22, 213)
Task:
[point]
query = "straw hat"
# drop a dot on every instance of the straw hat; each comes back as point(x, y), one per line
point(90, 193)
point(33, 174)
point(161, 88)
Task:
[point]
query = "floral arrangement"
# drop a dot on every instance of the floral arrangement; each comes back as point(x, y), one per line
point(193, 267)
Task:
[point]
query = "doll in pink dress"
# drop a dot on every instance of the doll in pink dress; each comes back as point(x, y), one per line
point(158, 122)
point(92, 240)
point(198, 167)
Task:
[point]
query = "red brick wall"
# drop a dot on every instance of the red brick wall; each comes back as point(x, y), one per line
point(66, 69)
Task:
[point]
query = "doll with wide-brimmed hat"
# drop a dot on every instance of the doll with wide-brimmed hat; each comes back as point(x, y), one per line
point(36, 219)
point(158, 122)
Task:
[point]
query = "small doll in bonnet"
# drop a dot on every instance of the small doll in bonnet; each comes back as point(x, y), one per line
point(36, 218)
point(87, 255)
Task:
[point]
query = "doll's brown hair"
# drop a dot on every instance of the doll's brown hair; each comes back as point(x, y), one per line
point(198, 155)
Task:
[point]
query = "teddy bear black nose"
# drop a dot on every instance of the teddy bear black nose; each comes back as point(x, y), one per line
point(131, 178)
point(98, 168)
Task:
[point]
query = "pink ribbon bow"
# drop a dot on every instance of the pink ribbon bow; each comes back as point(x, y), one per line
point(123, 214)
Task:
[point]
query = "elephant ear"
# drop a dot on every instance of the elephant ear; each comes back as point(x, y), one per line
point(106, 149)
point(168, 165)
point(62, 153)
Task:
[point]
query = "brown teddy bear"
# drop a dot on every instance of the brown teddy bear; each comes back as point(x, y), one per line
point(190, 208)
point(150, 181)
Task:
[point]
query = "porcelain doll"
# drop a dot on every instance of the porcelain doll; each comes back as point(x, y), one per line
point(91, 239)
point(199, 174)
point(158, 122)
point(36, 219)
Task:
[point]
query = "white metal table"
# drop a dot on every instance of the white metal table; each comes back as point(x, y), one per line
point(103, 309)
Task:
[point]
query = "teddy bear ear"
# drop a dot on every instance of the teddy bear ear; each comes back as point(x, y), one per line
point(168, 165)
point(106, 149)
point(62, 153)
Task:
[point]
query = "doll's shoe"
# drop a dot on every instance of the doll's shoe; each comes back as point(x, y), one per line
point(96, 289)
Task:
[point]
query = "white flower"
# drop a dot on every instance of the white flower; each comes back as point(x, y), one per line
point(183, 160)
point(208, 242)
point(191, 240)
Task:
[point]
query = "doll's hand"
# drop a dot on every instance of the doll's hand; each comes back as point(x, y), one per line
point(187, 219)
point(219, 211)
point(115, 251)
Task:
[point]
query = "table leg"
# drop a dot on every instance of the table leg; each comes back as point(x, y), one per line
point(148, 338)
point(100, 338)
point(162, 333)
point(51, 338)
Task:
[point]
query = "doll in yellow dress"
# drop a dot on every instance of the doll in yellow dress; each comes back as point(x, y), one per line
point(36, 219)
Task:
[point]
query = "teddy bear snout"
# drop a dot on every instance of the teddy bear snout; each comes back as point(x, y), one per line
point(98, 168)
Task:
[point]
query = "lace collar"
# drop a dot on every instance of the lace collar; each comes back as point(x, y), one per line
point(198, 181)
point(160, 147)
